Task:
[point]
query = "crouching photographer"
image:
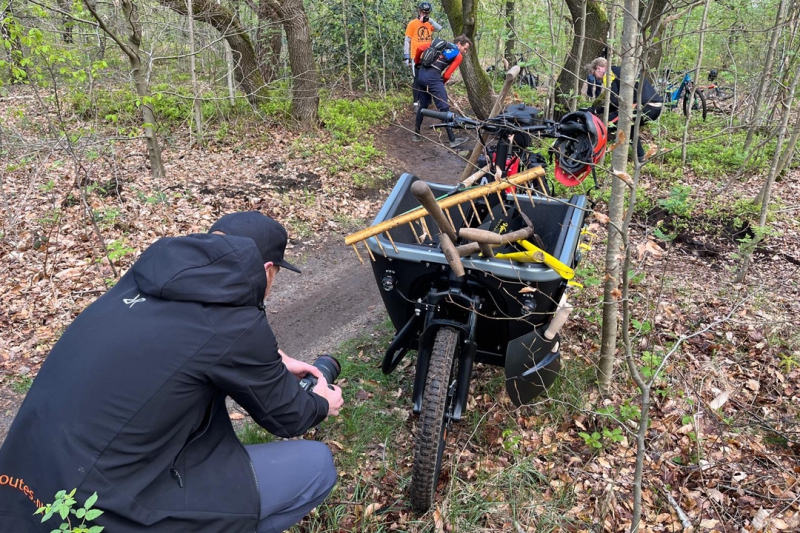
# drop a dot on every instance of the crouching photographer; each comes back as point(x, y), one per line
point(130, 403)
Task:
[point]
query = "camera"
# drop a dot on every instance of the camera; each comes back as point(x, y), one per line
point(330, 368)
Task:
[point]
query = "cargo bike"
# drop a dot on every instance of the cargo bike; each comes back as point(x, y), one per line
point(480, 273)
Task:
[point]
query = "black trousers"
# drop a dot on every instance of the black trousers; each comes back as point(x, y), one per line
point(429, 88)
point(649, 112)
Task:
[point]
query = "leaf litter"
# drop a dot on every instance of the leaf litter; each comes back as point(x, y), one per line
point(723, 439)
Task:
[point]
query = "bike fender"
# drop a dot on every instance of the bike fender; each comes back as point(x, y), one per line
point(532, 364)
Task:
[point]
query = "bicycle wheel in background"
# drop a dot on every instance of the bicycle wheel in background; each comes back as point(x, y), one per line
point(698, 105)
point(526, 78)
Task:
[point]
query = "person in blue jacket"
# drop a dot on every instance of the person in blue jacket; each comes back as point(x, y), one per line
point(595, 71)
point(130, 402)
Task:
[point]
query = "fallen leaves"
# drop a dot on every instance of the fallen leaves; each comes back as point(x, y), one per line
point(648, 247)
point(720, 400)
point(624, 177)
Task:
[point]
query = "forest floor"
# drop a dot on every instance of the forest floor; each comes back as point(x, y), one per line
point(736, 380)
point(311, 313)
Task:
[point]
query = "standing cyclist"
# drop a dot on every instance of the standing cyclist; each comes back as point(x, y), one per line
point(419, 31)
point(430, 80)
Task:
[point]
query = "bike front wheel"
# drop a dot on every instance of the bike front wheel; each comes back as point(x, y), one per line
point(698, 105)
point(434, 420)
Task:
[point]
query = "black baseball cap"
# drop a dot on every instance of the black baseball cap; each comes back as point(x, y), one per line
point(268, 234)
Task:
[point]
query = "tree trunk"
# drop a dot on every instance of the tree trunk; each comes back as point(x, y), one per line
point(305, 80)
point(269, 42)
point(764, 79)
point(229, 74)
point(766, 190)
point(576, 83)
point(347, 54)
point(653, 31)
point(511, 40)
point(230, 27)
point(198, 111)
point(611, 292)
point(596, 30)
point(788, 154)
point(463, 19)
point(66, 32)
point(552, 62)
point(131, 49)
point(695, 77)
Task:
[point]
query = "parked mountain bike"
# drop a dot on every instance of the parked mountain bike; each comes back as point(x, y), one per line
point(682, 94)
point(525, 76)
point(714, 91)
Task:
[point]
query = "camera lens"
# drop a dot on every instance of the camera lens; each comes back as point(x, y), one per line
point(329, 366)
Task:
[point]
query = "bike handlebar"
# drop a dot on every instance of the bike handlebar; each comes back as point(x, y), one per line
point(503, 124)
point(444, 116)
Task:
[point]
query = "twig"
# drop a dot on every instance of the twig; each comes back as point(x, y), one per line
point(25, 97)
point(90, 291)
point(756, 494)
point(685, 522)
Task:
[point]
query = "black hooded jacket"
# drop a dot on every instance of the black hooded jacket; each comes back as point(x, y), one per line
point(130, 403)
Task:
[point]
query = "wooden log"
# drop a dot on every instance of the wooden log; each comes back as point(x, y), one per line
point(511, 75)
point(468, 249)
point(486, 250)
point(490, 237)
point(450, 253)
point(423, 193)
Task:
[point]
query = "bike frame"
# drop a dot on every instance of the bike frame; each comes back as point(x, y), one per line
point(675, 96)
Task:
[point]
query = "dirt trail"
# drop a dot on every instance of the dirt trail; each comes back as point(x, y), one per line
point(431, 160)
point(335, 297)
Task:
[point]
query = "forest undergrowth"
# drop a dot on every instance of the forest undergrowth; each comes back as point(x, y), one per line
point(723, 442)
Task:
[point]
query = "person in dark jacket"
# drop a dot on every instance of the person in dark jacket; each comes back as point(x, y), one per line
point(130, 402)
point(651, 105)
point(430, 80)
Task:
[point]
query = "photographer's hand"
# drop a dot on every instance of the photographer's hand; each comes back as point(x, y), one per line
point(332, 393)
point(299, 369)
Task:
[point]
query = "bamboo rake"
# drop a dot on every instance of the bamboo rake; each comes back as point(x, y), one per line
point(420, 213)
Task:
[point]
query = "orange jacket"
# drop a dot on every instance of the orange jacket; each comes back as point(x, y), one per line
point(418, 32)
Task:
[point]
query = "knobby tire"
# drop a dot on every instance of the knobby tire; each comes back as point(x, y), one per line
point(700, 99)
point(433, 420)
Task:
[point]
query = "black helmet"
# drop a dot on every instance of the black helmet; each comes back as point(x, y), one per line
point(425, 7)
point(575, 158)
point(712, 74)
